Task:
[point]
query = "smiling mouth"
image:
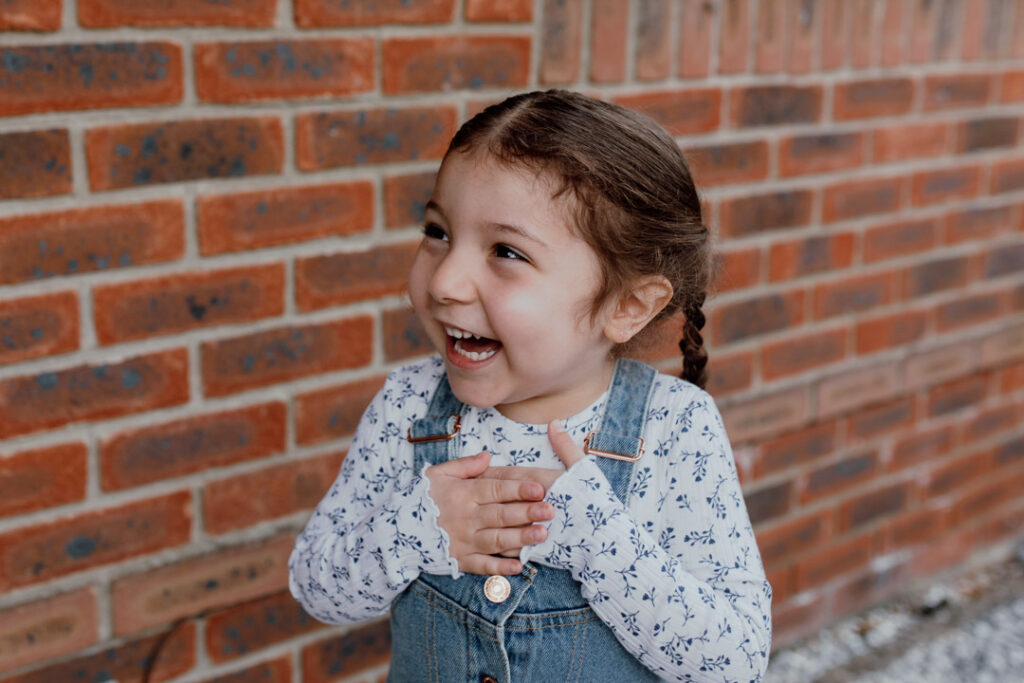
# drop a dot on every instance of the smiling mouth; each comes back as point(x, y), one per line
point(471, 346)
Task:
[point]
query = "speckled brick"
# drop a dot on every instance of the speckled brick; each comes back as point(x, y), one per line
point(609, 33)
point(882, 97)
point(855, 199)
point(35, 164)
point(404, 336)
point(33, 554)
point(757, 316)
point(91, 392)
point(174, 449)
point(150, 153)
point(560, 38)
point(310, 13)
point(283, 69)
point(696, 28)
point(88, 76)
point(189, 301)
point(406, 197)
point(772, 105)
point(38, 326)
point(247, 628)
point(111, 13)
point(956, 91)
point(88, 240)
point(30, 15)
point(274, 671)
point(755, 214)
point(682, 112)
point(355, 651)
point(279, 355)
point(42, 478)
point(726, 163)
point(499, 10)
point(332, 139)
point(454, 62)
point(333, 413)
point(337, 279)
point(48, 628)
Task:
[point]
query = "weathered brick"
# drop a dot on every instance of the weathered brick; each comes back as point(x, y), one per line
point(499, 10)
point(273, 671)
point(91, 392)
point(1008, 176)
point(173, 449)
point(932, 187)
point(653, 46)
point(835, 34)
point(803, 20)
point(978, 223)
point(902, 238)
point(864, 99)
point(729, 373)
point(695, 30)
point(112, 13)
point(886, 332)
point(333, 413)
point(246, 628)
point(985, 498)
point(956, 91)
point(973, 309)
point(893, 34)
point(769, 37)
point(827, 480)
point(769, 502)
point(857, 388)
point(1012, 89)
point(174, 151)
point(328, 140)
point(802, 354)
point(869, 587)
point(1004, 260)
point(970, 42)
point(1009, 452)
point(242, 500)
point(283, 69)
point(680, 112)
point(919, 140)
point(35, 164)
point(914, 527)
point(609, 28)
point(770, 105)
point(38, 326)
point(179, 303)
point(404, 336)
point(938, 365)
point(406, 197)
point(279, 355)
point(757, 316)
point(820, 153)
point(227, 577)
point(48, 628)
point(795, 620)
point(930, 35)
point(855, 294)
point(957, 395)
point(251, 220)
point(925, 445)
point(734, 36)
point(956, 473)
point(737, 269)
point(857, 198)
point(42, 478)
point(33, 554)
point(935, 276)
point(731, 162)
point(872, 422)
point(454, 62)
point(782, 543)
point(348, 654)
point(863, 22)
point(343, 278)
point(1011, 378)
point(309, 13)
point(988, 133)
point(87, 240)
point(764, 416)
point(30, 15)
point(753, 214)
point(796, 448)
point(561, 37)
point(824, 253)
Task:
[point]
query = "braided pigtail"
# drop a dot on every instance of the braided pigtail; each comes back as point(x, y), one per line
point(695, 357)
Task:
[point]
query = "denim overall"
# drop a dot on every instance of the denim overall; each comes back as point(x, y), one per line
point(446, 630)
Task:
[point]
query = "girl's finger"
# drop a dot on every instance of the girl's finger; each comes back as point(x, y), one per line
point(567, 451)
point(513, 514)
point(495, 541)
point(464, 468)
point(487, 491)
point(489, 565)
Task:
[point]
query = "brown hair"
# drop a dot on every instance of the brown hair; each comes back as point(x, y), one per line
point(636, 204)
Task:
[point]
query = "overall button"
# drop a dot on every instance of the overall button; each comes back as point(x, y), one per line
point(497, 589)
point(488, 679)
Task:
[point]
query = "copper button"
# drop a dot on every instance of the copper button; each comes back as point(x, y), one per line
point(488, 679)
point(497, 588)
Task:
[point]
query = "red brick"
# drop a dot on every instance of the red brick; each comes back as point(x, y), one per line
point(843, 474)
point(680, 112)
point(984, 499)
point(935, 276)
point(242, 500)
point(902, 238)
point(855, 389)
point(35, 164)
point(971, 29)
point(802, 354)
point(868, 508)
point(870, 587)
point(872, 422)
point(893, 34)
point(737, 269)
point(805, 154)
point(359, 649)
point(956, 91)
point(265, 70)
point(924, 446)
point(404, 336)
point(912, 141)
point(1018, 32)
point(283, 354)
point(923, 23)
point(795, 620)
point(1009, 453)
point(751, 214)
point(769, 502)
point(864, 99)
point(857, 198)
point(1012, 89)
point(254, 625)
point(765, 416)
point(970, 310)
point(87, 240)
point(309, 13)
point(189, 301)
point(1011, 379)
point(957, 395)
point(333, 413)
point(938, 365)
point(499, 10)
point(1008, 176)
point(273, 671)
point(252, 220)
point(653, 46)
point(864, 17)
point(796, 448)
point(790, 260)
point(978, 223)
point(1004, 260)
point(782, 543)
point(112, 13)
point(42, 478)
point(454, 62)
point(757, 316)
point(954, 474)
point(48, 629)
point(45, 551)
point(835, 34)
point(854, 294)
point(229, 576)
point(730, 373)
point(38, 326)
point(336, 279)
point(803, 21)
point(49, 399)
point(771, 105)
point(328, 140)
point(914, 527)
point(886, 332)
point(45, 78)
point(987, 133)
point(174, 151)
point(695, 29)
point(30, 15)
point(727, 163)
point(839, 559)
point(1003, 346)
point(609, 27)
point(173, 449)
point(131, 662)
point(406, 197)
point(931, 187)
point(769, 39)
point(734, 37)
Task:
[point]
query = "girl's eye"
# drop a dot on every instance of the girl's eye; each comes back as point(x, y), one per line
point(506, 252)
point(435, 231)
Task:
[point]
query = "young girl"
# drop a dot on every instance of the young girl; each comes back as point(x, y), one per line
point(530, 505)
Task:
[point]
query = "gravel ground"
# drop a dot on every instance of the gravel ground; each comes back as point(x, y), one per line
point(965, 630)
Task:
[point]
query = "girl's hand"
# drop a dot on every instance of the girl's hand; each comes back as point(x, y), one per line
point(566, 450)
point(486, 516)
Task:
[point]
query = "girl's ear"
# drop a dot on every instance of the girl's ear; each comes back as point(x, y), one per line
point(637, 307)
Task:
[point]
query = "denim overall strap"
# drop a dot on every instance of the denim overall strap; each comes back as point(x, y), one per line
point(436, 435)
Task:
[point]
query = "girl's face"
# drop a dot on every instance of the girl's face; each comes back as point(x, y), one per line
point(504, 290)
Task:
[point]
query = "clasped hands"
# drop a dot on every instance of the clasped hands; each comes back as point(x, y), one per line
point(490, 513)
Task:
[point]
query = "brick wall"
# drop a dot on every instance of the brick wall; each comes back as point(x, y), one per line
point(206, 213)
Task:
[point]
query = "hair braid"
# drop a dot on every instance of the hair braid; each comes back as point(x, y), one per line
point(695, 357)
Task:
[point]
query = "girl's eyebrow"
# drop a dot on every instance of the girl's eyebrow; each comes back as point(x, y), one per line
point(522, 232)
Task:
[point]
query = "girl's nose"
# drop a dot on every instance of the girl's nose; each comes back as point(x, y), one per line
point(451, 281)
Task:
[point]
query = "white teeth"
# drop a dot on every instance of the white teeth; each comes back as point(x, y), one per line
point(460, 334)
point(474, 355)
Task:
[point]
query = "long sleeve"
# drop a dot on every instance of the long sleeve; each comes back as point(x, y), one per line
point(684, 591)
point(375, 531)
